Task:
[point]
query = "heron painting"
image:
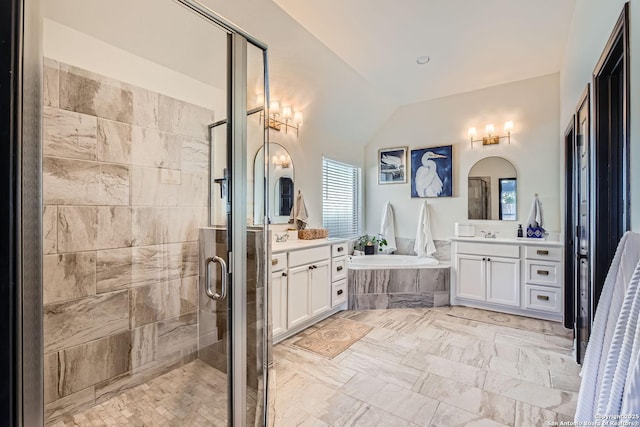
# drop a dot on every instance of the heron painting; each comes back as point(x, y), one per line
point(392, 165)
point(431, 172)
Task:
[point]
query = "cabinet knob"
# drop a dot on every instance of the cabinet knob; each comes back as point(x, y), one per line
point(542, 252)
point(484, 259)
point(340, 249)
point(339, 268)
point(284, 274)
point(488, 259)
point(340, 291)
point(543, 272)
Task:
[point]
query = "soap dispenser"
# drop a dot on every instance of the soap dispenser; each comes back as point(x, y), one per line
point(520, 231)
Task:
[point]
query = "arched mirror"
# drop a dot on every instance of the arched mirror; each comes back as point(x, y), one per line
point(281, 182)
point(492, 190)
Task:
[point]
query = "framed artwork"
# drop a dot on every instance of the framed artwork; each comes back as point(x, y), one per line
point(392, 165)
point(432, 172)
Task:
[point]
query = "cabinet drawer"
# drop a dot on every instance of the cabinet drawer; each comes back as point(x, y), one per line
point(308, 256)
point(488, 249)
point(546, 253)
point(543, 298)
point(339, 249)
point(278, 262)
point(543, 273)
point(338, 269)
point(339, 293)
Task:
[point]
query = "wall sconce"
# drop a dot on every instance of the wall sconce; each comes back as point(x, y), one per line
point(283, 117)
point(283, 161)
point(490, 138)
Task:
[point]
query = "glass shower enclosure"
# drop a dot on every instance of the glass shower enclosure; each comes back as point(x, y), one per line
point(153, 282)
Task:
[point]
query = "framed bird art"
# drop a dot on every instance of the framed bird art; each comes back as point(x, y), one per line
point(392, 165)
point(432, 172)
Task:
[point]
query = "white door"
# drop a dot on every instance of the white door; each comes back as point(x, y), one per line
point(298, 297)
point(320, 286)
point(279, 302)
point(470, 282)
point(503, 281)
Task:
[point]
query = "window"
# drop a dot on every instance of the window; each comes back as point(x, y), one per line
point(340, 198)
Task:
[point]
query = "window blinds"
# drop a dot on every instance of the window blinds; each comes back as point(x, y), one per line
point(341, 203)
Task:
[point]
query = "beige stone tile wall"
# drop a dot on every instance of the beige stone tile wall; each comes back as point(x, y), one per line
point(125, 185)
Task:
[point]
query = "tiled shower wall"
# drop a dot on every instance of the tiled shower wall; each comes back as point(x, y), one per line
point(125, 183)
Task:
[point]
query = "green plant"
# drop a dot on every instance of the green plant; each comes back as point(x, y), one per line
point(370, 240)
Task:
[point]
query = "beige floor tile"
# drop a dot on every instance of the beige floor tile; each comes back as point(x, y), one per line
point(450, 416)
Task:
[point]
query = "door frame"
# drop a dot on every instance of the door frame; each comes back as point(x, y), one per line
point(569, 224)
point(605, 148)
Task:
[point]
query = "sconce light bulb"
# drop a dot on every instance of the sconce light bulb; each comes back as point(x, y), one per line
point(472, 132)
point(287, 112)
point(274, 108)
point(298, 118)
point(275, 160)
point(489, 129)
point(508, 126)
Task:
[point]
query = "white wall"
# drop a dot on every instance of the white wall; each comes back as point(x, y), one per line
point(532, 104)
point(592, 23)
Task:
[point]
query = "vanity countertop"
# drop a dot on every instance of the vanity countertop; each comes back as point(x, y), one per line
point(512, 241)
point(292, 245)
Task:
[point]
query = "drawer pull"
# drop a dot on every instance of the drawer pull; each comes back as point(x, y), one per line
point(339, 268)
point(340, 249)
point(274, 262)
point(284, 274)
point(339, 292)
point(542, 252)
point(543, 272)
point(542, 297)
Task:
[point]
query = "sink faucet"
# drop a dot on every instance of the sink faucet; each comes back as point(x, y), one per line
point(489, 234)
point(282, 238)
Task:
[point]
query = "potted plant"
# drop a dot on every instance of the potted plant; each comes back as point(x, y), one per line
point(368, 244)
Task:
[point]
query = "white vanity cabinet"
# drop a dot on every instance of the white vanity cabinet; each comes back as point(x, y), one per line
point(303, 293)
point(488, 273)
point(509, 275)
point(279, 288)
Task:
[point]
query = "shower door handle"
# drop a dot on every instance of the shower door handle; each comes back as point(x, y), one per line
point(211, 293)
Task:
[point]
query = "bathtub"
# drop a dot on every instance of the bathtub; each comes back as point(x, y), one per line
point(396, 281)
point(391, 262)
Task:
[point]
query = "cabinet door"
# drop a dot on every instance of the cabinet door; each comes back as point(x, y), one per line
point(279, 302)
point(320, 287)
point(503, 281)
point(470, 281)
point(298, 296)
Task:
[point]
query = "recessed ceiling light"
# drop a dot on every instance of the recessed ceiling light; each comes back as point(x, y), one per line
point(423, 59)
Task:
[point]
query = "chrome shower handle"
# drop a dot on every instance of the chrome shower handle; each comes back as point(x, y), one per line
point(207, 286)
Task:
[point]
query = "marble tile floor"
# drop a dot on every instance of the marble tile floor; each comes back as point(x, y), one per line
point(417, 367)
point(192, 395)
point(443, 366)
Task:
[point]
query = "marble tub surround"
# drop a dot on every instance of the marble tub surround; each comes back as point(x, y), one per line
point(125, 191)
point(398, 288)
point(443, 248)
point(430, 367)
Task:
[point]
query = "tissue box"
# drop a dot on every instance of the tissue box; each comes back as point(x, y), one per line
point(536, 232)
point(465, 230)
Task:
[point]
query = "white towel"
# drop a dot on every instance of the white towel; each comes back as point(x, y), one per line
point(387, 228)
point(299, 213)
point(536, 218)
point(424, 246)
point(615, 286)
